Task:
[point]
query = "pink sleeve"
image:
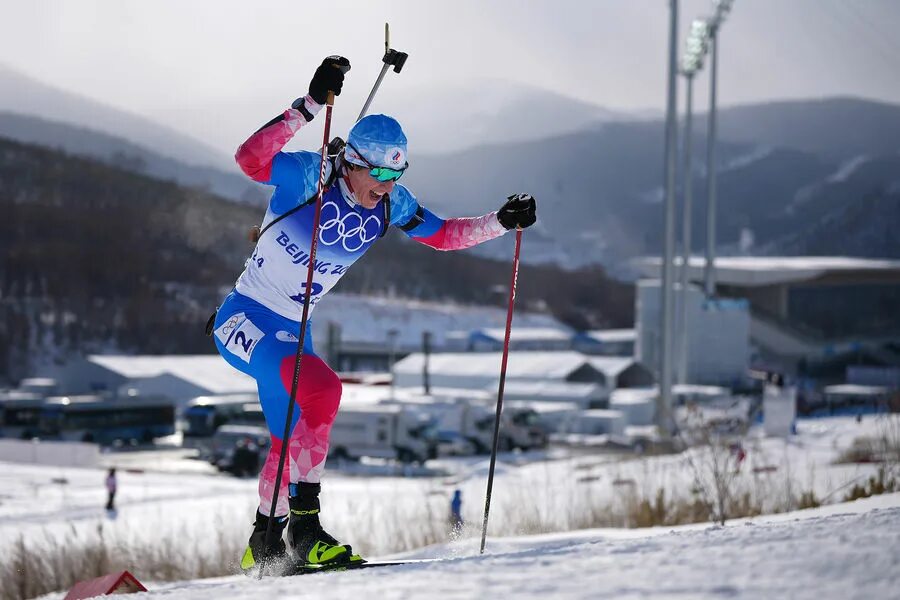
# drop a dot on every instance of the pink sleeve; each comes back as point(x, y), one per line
point(460, 233)
point(255, 155)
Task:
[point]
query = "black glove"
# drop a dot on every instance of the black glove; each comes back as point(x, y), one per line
point(328, 77)
point(519, 211)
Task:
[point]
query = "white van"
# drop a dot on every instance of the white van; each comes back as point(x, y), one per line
point(383, 431)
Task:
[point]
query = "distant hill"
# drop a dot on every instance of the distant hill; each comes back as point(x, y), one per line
point(784, 167)
point(600, 192)
point(837, 129)
point(23, 95)
point(446, 119)
point(121, 153)
point(866, 228)
point(96, 258)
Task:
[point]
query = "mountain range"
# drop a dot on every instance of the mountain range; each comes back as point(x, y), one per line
point(785, 167)
point(600, 190)
point(22, 94)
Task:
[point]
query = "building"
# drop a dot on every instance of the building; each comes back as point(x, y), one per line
point(606, 342)
point(621, 372)
point(582, 395)
point(718, 342)
point(178, 377)
point(811, 315)
point(474, 370)
point(520, 338)
point(363, 333)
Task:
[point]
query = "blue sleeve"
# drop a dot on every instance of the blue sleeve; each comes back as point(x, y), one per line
point(295, 176)
point(410, 216)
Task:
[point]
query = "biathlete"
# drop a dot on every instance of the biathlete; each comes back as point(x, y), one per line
point(256, 326)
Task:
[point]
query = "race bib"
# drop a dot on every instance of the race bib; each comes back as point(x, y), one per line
point(239, 336)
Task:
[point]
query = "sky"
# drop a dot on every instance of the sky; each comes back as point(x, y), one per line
point(205, 67)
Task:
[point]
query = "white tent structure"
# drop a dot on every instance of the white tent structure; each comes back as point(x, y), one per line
point(520, 338)
point(479, 370)
point(621, 371)
point(583, 395)
point(179, 377)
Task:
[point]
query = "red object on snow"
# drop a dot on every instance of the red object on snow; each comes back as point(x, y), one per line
point(122, 582)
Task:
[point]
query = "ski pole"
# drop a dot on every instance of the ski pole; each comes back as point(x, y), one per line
point(509, 315)
point(285, 439)
point(391, 58)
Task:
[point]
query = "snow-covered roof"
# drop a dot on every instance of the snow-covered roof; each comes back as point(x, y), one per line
point(33, 382)
point(850, 389)
point(133, 367)
point(207, 371)
point(366, 319)
point(522, 365)
point(523, 334)
point(224, 399)
point(19, 395)
point(602, 413)
point(608, 336)
point(541, 407)
point(753, 271)
point(700, 390)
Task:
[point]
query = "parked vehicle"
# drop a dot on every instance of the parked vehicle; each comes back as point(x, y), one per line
point(21, 414)
point(108, 421)
point(383, 431)
point(205, 414)
point(239, 449)
point(452, 443)
point(474, 421)
point(90, 418)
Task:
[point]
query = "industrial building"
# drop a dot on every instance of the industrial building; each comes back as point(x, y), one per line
point(807, 315)
point(718, 336)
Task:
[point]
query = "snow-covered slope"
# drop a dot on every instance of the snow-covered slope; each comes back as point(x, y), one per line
point(199, 522)
point(843, 551)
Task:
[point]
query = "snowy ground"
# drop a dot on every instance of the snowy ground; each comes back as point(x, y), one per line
point(177, 507)
point(841, 551)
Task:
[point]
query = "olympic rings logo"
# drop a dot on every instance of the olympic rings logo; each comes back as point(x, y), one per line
point(233, 322)
point(350, 230)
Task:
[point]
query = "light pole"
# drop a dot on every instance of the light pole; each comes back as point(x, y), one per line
point(691, 63)
point(392, 355)
point(664, 402)
point(721, 8)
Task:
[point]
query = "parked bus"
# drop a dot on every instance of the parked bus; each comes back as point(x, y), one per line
point(205, 414)
point(107, 421)
point(21, 414)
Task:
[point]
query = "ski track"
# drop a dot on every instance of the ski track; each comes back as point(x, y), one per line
point(832, 556)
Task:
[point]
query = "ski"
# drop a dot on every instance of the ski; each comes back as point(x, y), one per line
point(307, 569)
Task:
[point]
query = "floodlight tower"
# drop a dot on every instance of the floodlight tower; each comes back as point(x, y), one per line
point(721, 8)
point(691, 63)
point(664, 401)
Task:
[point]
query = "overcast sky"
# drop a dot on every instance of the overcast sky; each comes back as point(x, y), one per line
point(205, 66)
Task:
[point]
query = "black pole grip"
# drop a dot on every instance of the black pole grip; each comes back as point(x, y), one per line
point(395, 59)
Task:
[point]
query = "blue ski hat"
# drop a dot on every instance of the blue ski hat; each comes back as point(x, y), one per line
point(380, 141)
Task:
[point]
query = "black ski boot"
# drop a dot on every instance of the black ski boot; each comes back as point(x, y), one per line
point(310, 544)
point(253, 555)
